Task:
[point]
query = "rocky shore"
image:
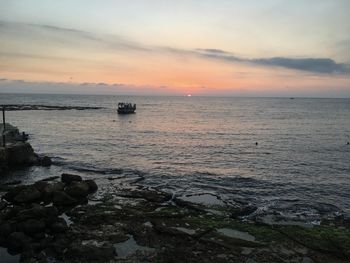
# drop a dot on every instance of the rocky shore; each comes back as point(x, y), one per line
point(64, 219)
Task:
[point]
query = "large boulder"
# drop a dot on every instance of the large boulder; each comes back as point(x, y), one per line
point(20, 154)
point(78, 189)
point(50, 189)
point(59, 225)
point(32, 226)
point(35, 211)
point(63, 199)
point(92, 185)
point(46, 161)
point(5, 229)
point(18, 241)
point(27, 195)
point(69, 178)
point(13, 192)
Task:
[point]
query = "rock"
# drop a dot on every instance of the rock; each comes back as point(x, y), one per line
point(78, 189)
point(32, 226)
point(40, 185)
point(27, 195)
point(20, 154)
point(243, 211)
point(55, 187)
point(3, 205)
point(51, 178)
point(18, 241)
point(46, 161)
point(15, 182)
point(68, 178)
point(92, 185)
point(11, 193)
point(62, 199)
point(36, 211)
point(5, 229)
point(51, 213)
point(149, 195)
point(49, 189)
point(59, 226)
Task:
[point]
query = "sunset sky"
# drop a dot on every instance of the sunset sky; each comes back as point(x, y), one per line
point(207, 47)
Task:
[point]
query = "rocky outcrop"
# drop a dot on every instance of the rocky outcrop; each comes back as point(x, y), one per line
point(69, 178)
point(31, 221)
point(146, 225)
point(17, 154)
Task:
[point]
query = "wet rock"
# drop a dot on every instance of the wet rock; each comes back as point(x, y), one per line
point(16, 182)
point(20, 154)
point(3, 205)
point(11, 193)
point(69, 178)
point(51, 212)
point(92, 185)
point(78, 189)
point(36, 211)
point(59, 226)
point(46, 161)
point(32, 226)
point(40, 185)
point(27, 195)
point(51, 188)
point(51, 178)
point(18, 241)
point(62, 199)
point(151, 196)
point(243, 211)
point(5, 229)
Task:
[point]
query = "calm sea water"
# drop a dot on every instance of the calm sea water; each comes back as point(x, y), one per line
point(190, 145)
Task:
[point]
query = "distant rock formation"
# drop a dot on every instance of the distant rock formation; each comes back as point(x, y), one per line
point(18, 107)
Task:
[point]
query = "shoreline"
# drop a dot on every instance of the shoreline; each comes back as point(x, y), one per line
point(137, 223)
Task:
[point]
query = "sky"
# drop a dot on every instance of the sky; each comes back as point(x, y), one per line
point(165, 47)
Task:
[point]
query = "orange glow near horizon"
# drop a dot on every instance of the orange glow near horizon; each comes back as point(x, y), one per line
point(189, 75)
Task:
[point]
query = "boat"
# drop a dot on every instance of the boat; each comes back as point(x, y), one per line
point(126, 108)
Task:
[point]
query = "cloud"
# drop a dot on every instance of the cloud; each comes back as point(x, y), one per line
point(316, 65)
point(73, 39)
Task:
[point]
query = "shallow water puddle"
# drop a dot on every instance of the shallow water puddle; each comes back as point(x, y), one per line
point(148, 224)
point(207, 199)
point(6, 257)
point(129, 247)
point(186, 230)
point(67, 219)
point(236, 234)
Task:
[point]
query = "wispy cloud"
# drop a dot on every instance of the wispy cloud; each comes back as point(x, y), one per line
point(73, 38)
point(316, 65)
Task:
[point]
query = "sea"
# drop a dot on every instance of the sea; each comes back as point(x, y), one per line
point(284, 155)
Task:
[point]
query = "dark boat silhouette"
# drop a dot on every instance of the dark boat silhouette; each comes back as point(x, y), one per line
point(126, 108)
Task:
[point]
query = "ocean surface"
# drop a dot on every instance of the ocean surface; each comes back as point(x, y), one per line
point(202, 146)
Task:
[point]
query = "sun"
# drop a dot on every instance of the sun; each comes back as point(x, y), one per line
point(189, 95)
